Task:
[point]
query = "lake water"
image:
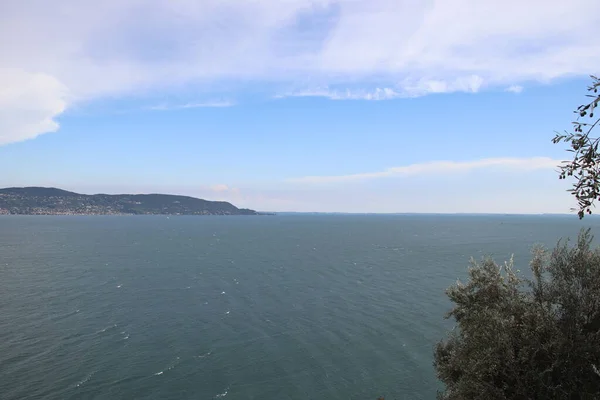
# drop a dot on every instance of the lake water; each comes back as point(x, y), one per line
point(275, 307)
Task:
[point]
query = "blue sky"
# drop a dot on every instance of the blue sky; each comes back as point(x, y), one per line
point(297, 105)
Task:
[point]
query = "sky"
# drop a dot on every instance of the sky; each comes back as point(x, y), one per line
point(436, 106)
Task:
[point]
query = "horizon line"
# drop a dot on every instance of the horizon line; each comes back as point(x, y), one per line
point(420, 213)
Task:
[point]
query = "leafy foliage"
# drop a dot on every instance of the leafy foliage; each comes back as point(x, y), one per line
point(520, 338)
point(585, 165)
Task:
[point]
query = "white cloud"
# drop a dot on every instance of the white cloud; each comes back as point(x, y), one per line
point(406, 48)
point(420, 87)
point(408, 88)
point(225, 190)
point(220, 188)
point(348, 94)
point(439, 167)
point(515, 89)
point(210, 104)
point(29, 104)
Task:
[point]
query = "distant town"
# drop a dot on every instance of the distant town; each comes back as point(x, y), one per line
point(53, 201)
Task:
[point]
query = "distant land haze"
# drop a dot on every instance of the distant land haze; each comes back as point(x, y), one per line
point(53, 201)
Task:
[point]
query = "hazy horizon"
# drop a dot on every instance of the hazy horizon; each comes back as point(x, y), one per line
point(329, 212)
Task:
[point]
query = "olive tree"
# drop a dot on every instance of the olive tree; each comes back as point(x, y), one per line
point(584, 166)
point(518, 338)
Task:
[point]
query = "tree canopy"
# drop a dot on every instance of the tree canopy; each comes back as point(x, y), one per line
point(518, 338)
point(585, 163)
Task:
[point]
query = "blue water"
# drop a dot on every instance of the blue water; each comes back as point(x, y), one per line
point(277, 307)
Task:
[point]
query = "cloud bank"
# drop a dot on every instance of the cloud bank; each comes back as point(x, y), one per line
point(55, 54)
point(439, 168)
point(515, 89)
point(210, 104)
point(480, 186)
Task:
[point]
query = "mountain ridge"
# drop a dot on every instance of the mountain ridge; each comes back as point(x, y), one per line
point(38, 200)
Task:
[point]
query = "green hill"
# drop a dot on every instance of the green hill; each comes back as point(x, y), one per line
point(53, 201)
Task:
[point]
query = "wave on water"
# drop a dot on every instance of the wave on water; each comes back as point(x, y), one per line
point(84, 380)
point(106, 329)
point(172, 365)
point(314, 312)
point(63, 316)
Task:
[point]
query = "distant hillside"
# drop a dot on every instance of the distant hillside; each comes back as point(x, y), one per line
point(52, 201)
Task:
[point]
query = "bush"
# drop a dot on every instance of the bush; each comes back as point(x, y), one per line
point(518, 338)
